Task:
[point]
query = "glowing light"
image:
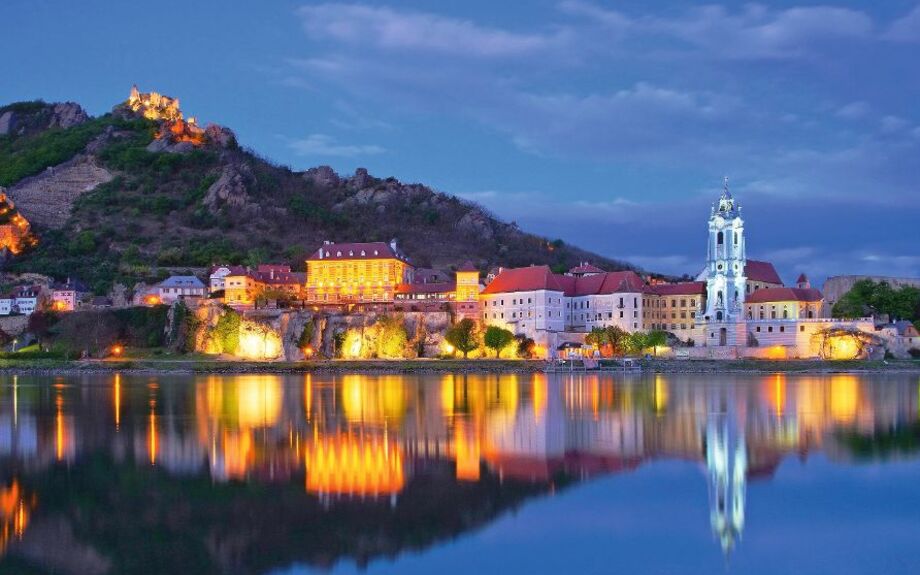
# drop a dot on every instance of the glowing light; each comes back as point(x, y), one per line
point(152, 299)
point(776, 352)
point(258, 341)
point(117, 350)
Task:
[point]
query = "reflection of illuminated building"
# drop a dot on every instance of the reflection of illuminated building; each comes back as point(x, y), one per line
point(352, 465)
point(726, 460)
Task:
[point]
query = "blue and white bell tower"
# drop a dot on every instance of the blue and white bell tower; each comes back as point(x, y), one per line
point(725, 269)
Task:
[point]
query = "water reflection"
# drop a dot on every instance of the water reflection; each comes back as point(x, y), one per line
point(391, 462)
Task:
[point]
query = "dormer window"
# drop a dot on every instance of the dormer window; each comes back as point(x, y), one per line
point(351, 253)
point(362, 252)
point(338, 254)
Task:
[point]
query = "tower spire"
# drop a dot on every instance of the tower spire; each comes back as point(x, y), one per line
point(725, 192)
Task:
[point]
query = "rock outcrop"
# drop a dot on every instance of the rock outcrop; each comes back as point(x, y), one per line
point(229, 192)
point(322, 177)
point(47, 198)
point(29, 118)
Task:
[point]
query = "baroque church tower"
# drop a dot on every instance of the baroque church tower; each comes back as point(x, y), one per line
point(725, 279)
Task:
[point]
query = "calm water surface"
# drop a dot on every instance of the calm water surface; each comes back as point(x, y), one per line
point(460, 474)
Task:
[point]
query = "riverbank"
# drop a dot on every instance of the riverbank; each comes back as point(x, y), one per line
point(215, 366)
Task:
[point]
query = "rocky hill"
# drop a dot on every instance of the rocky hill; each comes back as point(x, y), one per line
point(123, 196)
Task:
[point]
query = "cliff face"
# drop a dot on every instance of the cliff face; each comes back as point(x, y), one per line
point(115, 198)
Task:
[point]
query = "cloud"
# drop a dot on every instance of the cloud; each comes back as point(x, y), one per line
point(755, 32)
point(389, 29)
point(891, 124)
point(323, 145)
point(906, 29)
point(853, 110)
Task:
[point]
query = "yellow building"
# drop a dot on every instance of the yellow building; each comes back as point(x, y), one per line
point(674, 308)
point(356, 273)
point(242, 286)
point(467, 283)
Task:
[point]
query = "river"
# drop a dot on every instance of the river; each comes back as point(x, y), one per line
point(460, 473)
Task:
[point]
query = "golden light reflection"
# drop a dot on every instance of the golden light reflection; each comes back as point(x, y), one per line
point(776, 393)
point(661, 394)
point(345, 464)
point(468, 451)
point(540, 396)
point(117, 400)
point(844, 390)
point(373, 400)
point(59, 431)
point(15, 512)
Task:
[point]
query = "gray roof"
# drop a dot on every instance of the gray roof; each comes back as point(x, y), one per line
point(182, 282)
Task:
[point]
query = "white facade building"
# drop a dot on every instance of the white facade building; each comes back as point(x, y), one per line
point(180, 287)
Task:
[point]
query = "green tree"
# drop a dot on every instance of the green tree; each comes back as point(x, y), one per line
point(655, 339)
point(636, 342)
point(618, 339)
point(462, 335)
point(597, 337)
point(497, 338)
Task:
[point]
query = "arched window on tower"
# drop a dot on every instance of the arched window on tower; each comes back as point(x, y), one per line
point(720, 238)
point(736, 238)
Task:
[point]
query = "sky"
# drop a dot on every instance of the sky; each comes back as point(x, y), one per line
point(608, 124)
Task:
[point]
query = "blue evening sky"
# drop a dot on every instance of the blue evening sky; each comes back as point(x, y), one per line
point(608, 124)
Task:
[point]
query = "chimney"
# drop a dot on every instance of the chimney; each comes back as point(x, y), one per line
point(393, 244)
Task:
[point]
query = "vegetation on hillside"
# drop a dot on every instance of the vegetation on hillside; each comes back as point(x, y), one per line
point(157, 212)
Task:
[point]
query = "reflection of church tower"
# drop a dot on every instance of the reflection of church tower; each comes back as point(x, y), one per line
point(726, 460)
point(725, 279)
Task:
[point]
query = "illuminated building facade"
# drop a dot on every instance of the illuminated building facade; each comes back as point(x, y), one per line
point(15, 230)
point(356, 273)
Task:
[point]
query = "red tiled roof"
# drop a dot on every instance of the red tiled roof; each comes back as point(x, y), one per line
point(762, 272)
point(278, 278)
point(524, 279)
point(784, 294)
point(604, 283)
point(441, 287)
point(357, 251)
point(802, 279)
point(541, 278)
point(682, 288)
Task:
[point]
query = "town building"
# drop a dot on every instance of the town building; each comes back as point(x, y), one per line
point(27, 299)
point(67, 296)
point(243, 287)
point(432, 290)
point(175, 288)
point(356, 273)
point(748, 312)
point(674, 308)
point(218, 274)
